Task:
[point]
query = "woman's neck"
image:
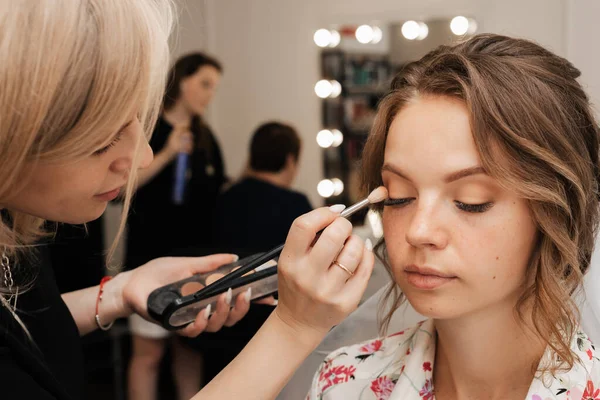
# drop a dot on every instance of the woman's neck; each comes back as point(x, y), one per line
point(178, 114)
point(490, 355)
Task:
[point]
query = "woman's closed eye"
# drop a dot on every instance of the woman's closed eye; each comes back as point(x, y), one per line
point(397, 202)
point(466, 207)
point(111, 144)
point(474, 208)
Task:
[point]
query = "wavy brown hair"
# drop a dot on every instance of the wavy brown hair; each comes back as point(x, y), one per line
point(536, 134)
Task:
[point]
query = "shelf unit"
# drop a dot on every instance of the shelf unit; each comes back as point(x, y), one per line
point(364, 78)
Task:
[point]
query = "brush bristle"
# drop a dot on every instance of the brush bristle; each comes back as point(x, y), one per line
point(378, 195)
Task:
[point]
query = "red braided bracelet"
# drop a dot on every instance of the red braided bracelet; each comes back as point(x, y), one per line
point(102, 282)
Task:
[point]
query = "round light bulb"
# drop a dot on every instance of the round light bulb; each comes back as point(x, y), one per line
point(322, 38)
point(325, 188)
point(472, 26)
point(335, 38)
point(423, 31)
point(336, 89)
point(338, 186)
point(411, 30)
point(337, 136)
point(325, 138)
point(323, 88)
point(364, 34)
point(459, 25)
point(377, 35)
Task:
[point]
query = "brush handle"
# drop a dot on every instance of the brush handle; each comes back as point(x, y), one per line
point(354, 208)
point(228, 279)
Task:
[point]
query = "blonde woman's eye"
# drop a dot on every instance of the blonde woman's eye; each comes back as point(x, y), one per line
point(111, 144)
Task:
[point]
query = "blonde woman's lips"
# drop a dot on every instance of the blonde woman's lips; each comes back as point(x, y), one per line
point(108, 196)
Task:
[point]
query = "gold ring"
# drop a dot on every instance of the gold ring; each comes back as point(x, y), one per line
point(338, 264)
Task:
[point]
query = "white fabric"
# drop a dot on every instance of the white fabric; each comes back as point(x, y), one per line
point(401, 367)
point(146, 329)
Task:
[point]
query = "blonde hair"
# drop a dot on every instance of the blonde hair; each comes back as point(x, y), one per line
point(72, 73)
point(536, 134)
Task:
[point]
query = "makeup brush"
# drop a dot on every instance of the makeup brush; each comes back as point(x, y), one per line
point(376, 196)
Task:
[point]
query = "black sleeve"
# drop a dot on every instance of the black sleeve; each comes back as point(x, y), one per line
point(218, 162)
point(17, 384)
point(159, 137)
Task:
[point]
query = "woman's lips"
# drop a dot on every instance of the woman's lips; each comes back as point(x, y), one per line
point(427, 278)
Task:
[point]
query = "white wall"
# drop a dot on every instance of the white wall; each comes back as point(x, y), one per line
point(581, 36)
point(271, 63)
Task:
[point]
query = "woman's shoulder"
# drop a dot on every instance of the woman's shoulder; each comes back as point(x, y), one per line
point(373, 365)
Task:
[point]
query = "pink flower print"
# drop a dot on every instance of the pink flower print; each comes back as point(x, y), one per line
point(590, 393)
point(382, 387)
point(408, 351)
point(372, 347)
point(369, 349)
point(426, 391)
point(427, 366)
point(335, 375)
point(589, 353)
point(396, 334)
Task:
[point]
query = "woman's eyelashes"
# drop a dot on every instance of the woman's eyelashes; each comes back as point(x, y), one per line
point(473, 208)
point(111, 144)
point(466, 207)
point(397, 202)
point(116, 139)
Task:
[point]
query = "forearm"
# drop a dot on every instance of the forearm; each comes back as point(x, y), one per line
point(265, 365)
point(161, 160)
point(82, 304)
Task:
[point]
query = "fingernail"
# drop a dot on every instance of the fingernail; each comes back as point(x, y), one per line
point(248, 294)
point(338, 208)
point(235, 257)
point(228, 296)
point(275, 302)
point(207, 312)
point(369, 244)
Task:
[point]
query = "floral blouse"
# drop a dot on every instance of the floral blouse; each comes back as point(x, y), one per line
point(400, 367)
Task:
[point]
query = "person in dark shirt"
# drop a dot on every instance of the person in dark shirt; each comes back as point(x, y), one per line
point(255, 215)
point(158, 226)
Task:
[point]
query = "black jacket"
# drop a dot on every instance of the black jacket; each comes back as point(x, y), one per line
point(50, 366)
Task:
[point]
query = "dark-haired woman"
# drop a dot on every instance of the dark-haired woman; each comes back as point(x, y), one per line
point(159, 226)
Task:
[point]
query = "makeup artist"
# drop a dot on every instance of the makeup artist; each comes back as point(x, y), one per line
point(80, 97)
point(160, 226)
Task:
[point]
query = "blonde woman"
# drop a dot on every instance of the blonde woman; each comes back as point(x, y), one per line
point(80, 86)
point(489, 151)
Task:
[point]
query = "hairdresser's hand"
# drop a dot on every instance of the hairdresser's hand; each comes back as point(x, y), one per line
point(180, 140)
point(162, 271)
point(314, 293)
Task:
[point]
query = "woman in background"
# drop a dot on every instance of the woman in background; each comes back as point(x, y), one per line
point(159, 226)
